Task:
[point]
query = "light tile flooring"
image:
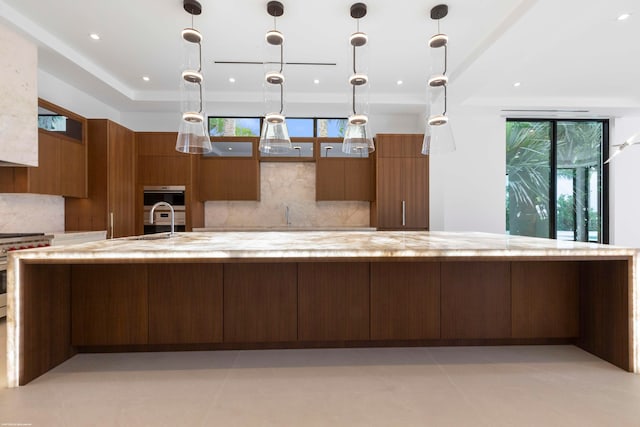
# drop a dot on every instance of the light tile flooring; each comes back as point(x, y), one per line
point(469, 386)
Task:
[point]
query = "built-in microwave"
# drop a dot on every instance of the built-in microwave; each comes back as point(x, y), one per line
point(172, 194)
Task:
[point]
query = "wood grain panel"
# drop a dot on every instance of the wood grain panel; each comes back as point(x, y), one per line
point(330, 179)
point(185, 303)
point(399, 145)
point(544, 299)
point(46, 319)
point(164, 170)
point(229, 179)
point(157, 144)
point(333, 301)
point(359, 179)
point(389, 192)
point(109, 304)
point(121, 180)
point(416, 192)
point(73, 169)
point(45, 179)
point(405, 300)
point(605, 310)
point(260, 302)
point(476, 300)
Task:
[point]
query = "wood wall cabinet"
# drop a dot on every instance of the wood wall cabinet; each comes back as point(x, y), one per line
point(405, 301)
point(185, 303)
point(61, 171)
point(402, 184)
point(111, 197)
point(333, 301)
point(62, 161)
point(344, 179)
point(229, 175)
point(260, 302)
point(109, 305)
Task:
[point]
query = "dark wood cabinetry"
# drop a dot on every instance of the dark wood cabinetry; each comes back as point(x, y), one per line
point(61, 171)
point(62, 162)
point(260, 302)
point(405, 301)
point(545, 299)
point(475, 300)
point(185, 303)
point(344, 179)
point(402, 184)
point(231, 174)
point(333, 301)
point(109, 305)
point(111, 197)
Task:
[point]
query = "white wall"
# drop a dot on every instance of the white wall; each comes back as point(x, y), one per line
point(624, 175)
point(467, 187)
point(66, 96)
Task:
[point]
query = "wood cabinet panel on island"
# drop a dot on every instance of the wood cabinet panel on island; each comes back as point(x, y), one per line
point(402, 183)
point(333, 301)
point(405, 301)
point(260, 302)
point(110, 204)
point(109, 305)
point(185, 303)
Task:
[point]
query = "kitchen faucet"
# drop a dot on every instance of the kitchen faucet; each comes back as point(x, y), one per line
point(173, 215)
point(286, 215)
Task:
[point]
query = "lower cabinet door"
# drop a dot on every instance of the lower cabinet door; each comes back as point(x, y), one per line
point(405, 300)
point(109, 305)
point(185, 303)
point(333, 301)
point(260, 302)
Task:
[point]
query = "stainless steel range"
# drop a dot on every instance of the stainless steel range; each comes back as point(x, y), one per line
point(14, 242)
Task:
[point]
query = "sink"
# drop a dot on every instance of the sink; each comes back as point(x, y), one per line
point(158, 236)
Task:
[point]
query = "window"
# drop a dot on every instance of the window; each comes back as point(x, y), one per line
point(300, 127)
point(331, 128)
point(558, 162)
point(234, 126)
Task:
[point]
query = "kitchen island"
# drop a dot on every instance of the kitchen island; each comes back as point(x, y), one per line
point(246, 290)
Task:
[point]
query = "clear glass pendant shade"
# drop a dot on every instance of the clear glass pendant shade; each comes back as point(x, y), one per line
point(438, 138)
point(192, 135)
point(357, 138)
point(274, 137)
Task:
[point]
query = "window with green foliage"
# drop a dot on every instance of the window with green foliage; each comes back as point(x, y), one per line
point(555, 183)
point(234, 126)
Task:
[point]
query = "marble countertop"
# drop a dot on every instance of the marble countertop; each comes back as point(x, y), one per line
point(320, 244)
point(283, 228)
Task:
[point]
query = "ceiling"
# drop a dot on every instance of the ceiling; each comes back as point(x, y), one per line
point(567, 55)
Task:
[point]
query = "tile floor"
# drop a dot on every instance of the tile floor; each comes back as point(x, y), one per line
point(463, 386)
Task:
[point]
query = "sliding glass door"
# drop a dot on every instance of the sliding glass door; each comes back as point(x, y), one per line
point(558, 161)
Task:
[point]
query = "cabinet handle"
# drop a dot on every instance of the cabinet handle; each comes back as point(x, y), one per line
point(404, 213)
point(111, 223)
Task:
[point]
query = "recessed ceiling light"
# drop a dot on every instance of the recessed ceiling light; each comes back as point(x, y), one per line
point(316, 81)
point(516, 84)
point(230, 149)
point(94, 36)
point(624, 17)
point(399, 82)
point(232, 80)
point(146, 78)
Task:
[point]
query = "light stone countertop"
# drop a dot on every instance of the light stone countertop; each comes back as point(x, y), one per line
point(321, 244)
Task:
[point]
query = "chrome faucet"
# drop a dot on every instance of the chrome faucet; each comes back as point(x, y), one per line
point(286, 215)
point(173, 215)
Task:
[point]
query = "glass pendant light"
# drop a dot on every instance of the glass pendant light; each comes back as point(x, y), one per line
point(438, 137)
point(192, 133)
point(274, 137)
point(357, 136)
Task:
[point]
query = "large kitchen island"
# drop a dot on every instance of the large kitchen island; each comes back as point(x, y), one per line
point(299, 289)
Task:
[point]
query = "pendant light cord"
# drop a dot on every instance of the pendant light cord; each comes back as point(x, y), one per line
point(282, 83)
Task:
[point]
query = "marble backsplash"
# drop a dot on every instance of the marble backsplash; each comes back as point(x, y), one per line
point(285, 185)
point(31, 213)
